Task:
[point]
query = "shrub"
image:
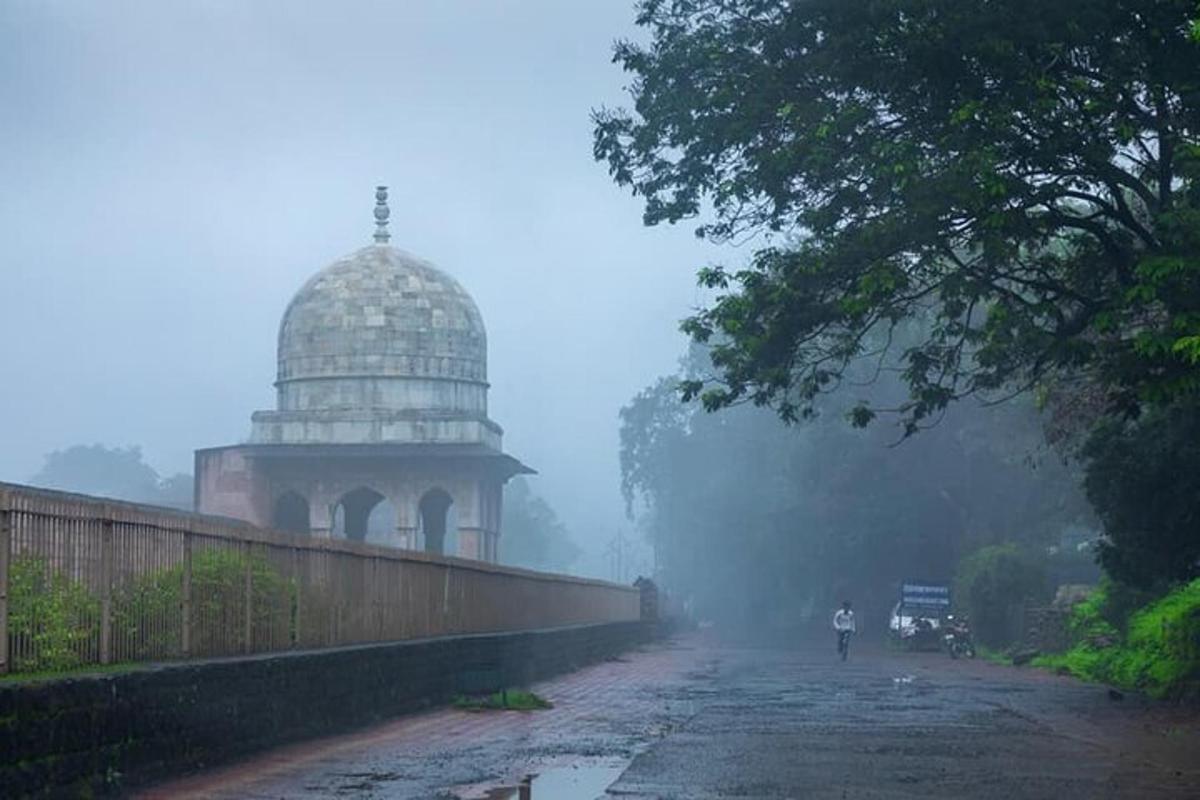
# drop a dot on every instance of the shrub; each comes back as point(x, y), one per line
point(991, 583)
point(147, 610)
point(53, 621)
point(1159, 653)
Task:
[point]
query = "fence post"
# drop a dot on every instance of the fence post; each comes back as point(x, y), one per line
point(5, 550)
point(106, 580)
point(296, 597)
point(185, 597)
point(376, 604)
point(248, 601)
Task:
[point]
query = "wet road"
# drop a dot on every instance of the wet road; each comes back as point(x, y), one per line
point(696, 719)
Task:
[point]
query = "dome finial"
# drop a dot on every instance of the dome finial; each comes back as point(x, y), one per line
point(381, 215)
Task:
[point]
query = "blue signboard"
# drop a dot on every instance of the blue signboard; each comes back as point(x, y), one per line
point(925, 596)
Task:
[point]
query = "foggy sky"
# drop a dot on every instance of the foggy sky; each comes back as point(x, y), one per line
point(171, 173)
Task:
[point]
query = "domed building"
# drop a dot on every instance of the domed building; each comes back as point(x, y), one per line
point(380, 430)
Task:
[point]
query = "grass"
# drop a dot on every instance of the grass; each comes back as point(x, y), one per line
point(993, 656)
point(1159, 652)
point(74, 672)
point(506, 700)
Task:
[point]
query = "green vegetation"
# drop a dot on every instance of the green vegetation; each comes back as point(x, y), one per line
point(218, 597)
point(1143, 479)
point(1157, 650)
point(991, 583)
point(507, 700)
point(943, 192)
point(53, 622)
point(904, 160)
point(59, 674)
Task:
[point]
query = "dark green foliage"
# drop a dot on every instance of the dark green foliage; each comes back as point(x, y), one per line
point(992, 584)
point(1155, 648)
point(1023, 174)
point(1143, 478)
point(534, 537)
point(53, 621)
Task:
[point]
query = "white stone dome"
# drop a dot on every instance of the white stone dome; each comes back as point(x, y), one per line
point(382, 330)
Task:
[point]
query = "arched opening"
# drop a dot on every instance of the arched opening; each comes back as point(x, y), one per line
point(291, 513)
point(352, 513)
point(434, 507)
point(381, 524)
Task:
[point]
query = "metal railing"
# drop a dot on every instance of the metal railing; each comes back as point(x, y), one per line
point(87, 581)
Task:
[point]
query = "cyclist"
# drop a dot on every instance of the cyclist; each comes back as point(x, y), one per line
point(843, 623)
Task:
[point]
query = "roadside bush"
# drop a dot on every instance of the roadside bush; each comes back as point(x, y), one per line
point(1159, 653)
point(53, 621)
point(991, 584)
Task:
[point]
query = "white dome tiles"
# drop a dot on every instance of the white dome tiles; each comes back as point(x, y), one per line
point(381, 312)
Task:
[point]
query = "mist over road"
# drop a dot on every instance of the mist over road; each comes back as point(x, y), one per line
point(776, 723)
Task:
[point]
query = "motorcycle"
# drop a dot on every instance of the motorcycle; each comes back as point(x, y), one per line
point(957, 638)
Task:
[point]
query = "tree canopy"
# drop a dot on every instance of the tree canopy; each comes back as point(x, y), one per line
point(1023, 175)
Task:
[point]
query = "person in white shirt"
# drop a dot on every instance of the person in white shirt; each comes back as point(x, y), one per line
point(843, 623)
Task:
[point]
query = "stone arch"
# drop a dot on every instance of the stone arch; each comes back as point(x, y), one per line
point(290, 513)
point(352, 512)
point(381, 523)
point(434, 513)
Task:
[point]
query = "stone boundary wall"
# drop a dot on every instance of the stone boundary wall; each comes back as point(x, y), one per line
point(103, 734)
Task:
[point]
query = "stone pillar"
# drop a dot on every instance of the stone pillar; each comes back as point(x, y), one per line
point(478, 544)
point(471, 543)
point(408, 519)
point(320, 518)
point(406, 537)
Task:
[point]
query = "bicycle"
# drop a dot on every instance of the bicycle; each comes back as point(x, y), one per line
point(844, 644)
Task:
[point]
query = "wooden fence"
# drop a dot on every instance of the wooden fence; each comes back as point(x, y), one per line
point(87, 581)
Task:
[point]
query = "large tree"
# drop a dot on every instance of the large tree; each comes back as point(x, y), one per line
point(1021, 174)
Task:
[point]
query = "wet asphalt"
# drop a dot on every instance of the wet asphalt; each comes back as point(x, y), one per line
point(695, 718)
point(797, 723)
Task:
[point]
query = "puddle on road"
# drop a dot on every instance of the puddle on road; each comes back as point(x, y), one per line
point(584, 780)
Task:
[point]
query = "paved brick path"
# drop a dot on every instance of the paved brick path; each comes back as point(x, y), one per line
point(607, 711)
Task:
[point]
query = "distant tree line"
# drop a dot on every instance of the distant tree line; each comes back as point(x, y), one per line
point(117, 472)
point(761, 523)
